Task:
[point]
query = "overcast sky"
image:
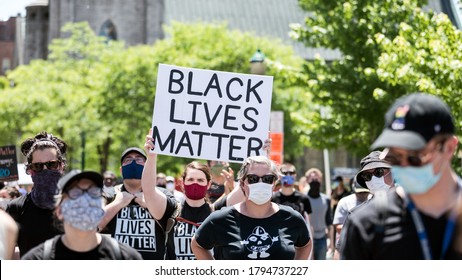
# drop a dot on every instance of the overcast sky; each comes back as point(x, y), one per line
point(9, 8)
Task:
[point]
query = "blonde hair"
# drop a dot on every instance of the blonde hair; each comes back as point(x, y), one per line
point(311, 170)
point(257, 160)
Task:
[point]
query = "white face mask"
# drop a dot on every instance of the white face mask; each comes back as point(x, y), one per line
point(260, 193)
point(4, 202)
point(377, 184)
point(170, 186)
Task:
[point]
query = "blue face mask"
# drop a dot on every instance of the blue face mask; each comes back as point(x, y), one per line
point(132, 171)
point(287, 180)
point(415, 180)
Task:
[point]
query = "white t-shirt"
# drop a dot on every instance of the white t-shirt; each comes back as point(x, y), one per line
point(344, 206)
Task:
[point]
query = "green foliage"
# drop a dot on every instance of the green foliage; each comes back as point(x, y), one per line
point(101, 94)
point(388, 48)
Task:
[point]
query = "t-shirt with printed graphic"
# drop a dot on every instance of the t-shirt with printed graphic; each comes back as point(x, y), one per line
point(297, 200)
point(134, 226)
point(187, 223)
point(234, 236)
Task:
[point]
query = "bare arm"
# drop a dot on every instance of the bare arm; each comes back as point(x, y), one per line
point(199, 252)
point(156, 201)
point(11, 232)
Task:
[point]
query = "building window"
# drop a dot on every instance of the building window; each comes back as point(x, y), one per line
point(108, 30)
point(6, 65)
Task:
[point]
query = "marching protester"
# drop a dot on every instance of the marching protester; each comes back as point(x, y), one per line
point(196, 180)
point(220, 185)
point(128, 218)
point(255, 228)
point(33, 212)
point(416, 221)
point(288, 195)
point(79, 206)
point(321, 217)
point(110, 181)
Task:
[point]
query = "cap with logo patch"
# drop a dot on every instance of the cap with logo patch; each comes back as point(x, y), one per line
point(413, 120)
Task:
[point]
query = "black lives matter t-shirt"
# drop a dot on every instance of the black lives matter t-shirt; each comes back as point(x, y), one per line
point(135, 226)
point(179, 242)
point(234, 236)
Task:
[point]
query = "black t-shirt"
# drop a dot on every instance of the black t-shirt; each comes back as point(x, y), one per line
point(104, 251)
point(234, 236)
point(399, 240)
point(35, 224)
point(298, 201)
point(179, 242)
point(135, 226)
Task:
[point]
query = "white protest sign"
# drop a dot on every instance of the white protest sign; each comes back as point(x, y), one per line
point(212, 115)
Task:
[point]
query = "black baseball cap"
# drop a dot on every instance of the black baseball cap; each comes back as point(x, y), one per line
point(413, 120)
point(130, 150)
point(77, 174)
point(372, 161)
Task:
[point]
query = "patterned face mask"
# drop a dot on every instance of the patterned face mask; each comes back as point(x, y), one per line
point(83, 213)
point(45, 188)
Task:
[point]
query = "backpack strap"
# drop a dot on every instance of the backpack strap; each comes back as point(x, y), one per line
point(115, 246)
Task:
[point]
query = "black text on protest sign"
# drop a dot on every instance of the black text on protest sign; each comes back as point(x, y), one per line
point(211, 114)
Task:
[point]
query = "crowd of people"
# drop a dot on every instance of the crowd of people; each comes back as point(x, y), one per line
point(403, 203)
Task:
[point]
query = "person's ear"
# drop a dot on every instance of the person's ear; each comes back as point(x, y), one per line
point(450, 146)
point(58, 213)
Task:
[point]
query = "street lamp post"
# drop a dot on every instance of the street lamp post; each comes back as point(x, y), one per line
point(257, 63)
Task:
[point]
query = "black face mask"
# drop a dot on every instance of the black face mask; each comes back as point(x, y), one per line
point(315, 188)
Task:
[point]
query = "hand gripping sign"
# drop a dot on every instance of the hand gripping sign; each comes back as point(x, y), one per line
point(212, 115)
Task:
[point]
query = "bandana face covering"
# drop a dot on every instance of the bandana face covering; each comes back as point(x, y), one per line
point(83, 213)
point(195, 191)
point(315, 189)
point(45, 188)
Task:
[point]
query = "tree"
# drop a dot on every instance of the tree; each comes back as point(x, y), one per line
point(388, 48)
point(101, 94)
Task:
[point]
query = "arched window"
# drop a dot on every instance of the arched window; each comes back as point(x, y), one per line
point(108, 30)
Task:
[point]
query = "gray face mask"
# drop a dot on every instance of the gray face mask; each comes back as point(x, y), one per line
point(83, 213)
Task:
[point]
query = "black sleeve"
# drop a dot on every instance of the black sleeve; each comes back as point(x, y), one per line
point(13, 208)
point(307, 205)
point(220, 203)
point(128, 253)
point(328, 214)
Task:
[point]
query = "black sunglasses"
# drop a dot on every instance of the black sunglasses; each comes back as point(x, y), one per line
point(268, 179)
point(288, 172)
point(38, 166)
point(378, 172)
point(93, 191)
point(414, 158)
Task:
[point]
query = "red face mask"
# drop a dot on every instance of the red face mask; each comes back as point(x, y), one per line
point(195, 191)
